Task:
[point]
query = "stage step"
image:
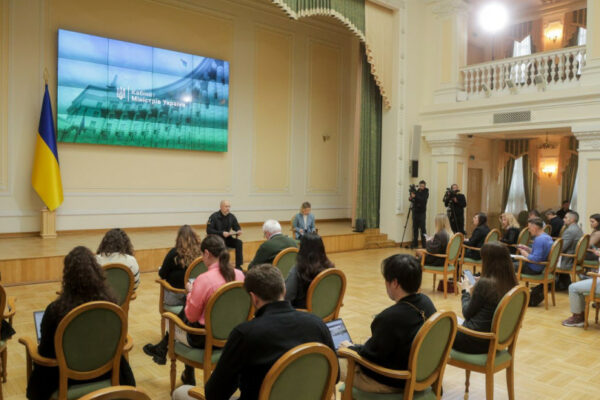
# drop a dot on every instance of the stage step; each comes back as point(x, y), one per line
point(377, 240)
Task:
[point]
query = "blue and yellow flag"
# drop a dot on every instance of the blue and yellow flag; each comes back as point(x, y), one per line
point(46, 171)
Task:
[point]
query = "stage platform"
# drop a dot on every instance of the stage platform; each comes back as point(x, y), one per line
point(32, 259)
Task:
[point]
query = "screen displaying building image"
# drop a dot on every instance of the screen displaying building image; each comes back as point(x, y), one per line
point(126, 94)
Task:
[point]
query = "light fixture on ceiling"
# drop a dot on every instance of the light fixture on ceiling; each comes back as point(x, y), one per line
point(547, 145)
point(493, 17)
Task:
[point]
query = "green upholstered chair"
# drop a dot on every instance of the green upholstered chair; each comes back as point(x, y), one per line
point(8, 310)
point(562, 230)
point(492, 236)
point(89, 342)
point(591, 297)
point(547, 229)
point(117, 393)
point(313, 364)
point(545, 278)
point(450, 259)
point(121, 281)
point(426, 363)
point(506, 324)
point(228, 307)
point(285, 260)
point(195, 268)
point(326, 293)
point(578, 258)
point(590, 264)
point(524, 238)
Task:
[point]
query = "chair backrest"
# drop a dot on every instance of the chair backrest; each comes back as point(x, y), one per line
point(581, 250)
point(121, 281)
point(524, 236)
point(554, 255)
point(493, 236)
point(453, 247)
point(430, 350)
point(562, 230)
point(89, 342)
point(195, 268)
point(508, 318)
point(548, 229)
point(285, 260)
point(313, 365)
point(228, 307)
point(326, 293)
point(117, 393)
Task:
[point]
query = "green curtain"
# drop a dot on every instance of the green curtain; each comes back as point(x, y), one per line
point(508, 174)
point(570, 172)
point(352, 10)
point(369, 153)
point(515, 148)
point(530, 183)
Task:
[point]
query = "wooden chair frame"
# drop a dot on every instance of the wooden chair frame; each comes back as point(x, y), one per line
point(447, 262)
point(117, 393)
point(549, 269)
point(207, 366)
point(592, 297)
point(577, 257)
point(64, 372)
point(130, 291)
point(524, 237)
point(315, 283)
point(282, 253)
point(435, 379)
point(464, 246)
point(547, 229)
point(490, 368)
point(562, 230)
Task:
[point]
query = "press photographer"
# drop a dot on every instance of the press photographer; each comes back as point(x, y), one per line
point(455, 203)
point(418, 198)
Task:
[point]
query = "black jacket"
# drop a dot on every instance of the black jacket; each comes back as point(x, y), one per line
point(510, 237)
point(476, 240)
point(459, 206)
point(556, 223)
point(420, 201)
point(219, 223)
point(171, 271)
point(437, 245)
point(392, 334)
point(254, 346)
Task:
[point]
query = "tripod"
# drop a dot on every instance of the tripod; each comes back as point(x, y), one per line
point(406, 223)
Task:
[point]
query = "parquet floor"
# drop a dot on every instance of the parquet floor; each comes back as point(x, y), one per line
point(553, 362)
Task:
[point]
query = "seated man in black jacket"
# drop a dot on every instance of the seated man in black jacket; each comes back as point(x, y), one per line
point(254, 346)
point(225, 224)
point(393, 330)
point(555, 222)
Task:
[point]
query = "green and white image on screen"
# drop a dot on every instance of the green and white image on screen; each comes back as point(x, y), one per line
point(125, 94)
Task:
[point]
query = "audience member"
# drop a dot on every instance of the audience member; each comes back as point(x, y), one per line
point(83, 281)
point(577, 293)
point(564, 209)
point(594, 237)
point(539, 250)
point(570, 237)
point(254, 346)
point(304, 221)
point(393, 330)
point(510, 231)
point(226, 225)
point(310, 262)
point(116, 248)
point(187, 249)
point(478, 236)
point(276, 241)
point(438, 243)
point(479, 302)
point(555, 222)
point(534, 214)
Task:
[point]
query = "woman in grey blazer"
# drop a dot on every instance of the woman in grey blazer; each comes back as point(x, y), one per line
point(304, 221)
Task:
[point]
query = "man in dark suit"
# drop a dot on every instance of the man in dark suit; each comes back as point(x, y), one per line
point(225, 224)
point(564, 209)
point(276, 241)
point(418, 198)
point(254, 346)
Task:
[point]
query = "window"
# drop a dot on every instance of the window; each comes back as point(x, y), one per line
point(522, 48)
point(516, 194)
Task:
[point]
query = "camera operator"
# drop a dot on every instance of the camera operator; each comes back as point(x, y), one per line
point(455, 203)
point(418, 198)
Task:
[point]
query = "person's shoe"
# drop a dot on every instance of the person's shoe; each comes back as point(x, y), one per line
point(575, 320)
point(158, 355)
point(187, 377)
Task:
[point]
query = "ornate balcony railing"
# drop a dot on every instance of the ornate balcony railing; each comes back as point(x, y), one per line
point(527, 73)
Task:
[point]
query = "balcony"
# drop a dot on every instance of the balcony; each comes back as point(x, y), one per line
point(536, 72)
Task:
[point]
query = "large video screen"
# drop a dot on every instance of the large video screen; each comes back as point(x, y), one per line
point(125, 94)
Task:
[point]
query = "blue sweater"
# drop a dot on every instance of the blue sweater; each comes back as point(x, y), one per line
point(539, 251)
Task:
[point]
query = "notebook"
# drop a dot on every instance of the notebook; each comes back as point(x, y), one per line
point(338, 331)
point(37, 319)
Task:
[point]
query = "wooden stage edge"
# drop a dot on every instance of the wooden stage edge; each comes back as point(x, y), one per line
point(29, 270)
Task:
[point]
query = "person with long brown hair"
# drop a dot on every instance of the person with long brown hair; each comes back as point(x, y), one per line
point(116, 247)
point(510, 231)
point(477, 236)
point(594, 238)
point(83, 281)
point(479, 301)
point(438, 243)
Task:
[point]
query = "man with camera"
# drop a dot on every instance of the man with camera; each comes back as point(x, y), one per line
point(455, 203)
point(418, 198)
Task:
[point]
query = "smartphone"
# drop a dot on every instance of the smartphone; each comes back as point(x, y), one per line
point(469, 275)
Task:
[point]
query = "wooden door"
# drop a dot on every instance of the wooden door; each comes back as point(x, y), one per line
point(474, 196)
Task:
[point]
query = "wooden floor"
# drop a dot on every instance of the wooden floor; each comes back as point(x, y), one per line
point(553, 362)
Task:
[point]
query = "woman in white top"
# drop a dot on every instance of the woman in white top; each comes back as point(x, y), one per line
point(116, 248)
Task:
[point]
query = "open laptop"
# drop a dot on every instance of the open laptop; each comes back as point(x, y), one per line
point(338, 331)
point(37, 319)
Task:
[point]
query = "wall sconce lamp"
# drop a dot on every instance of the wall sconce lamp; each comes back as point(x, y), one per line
point(554, 31)
point(549, 170)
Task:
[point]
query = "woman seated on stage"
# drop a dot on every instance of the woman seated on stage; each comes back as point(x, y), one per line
point(479, 302)
point(304, 221)
point(83, 281)
point(311, 260)
point(116, 248)
point(478, 236)
point(510, 231)
point(438, 243)
point(186, 250)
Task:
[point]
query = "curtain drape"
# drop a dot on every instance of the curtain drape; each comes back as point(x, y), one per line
point(369, 171)
point(530, 183)
point(570, 172)
point(512, 149)
point(507, 179)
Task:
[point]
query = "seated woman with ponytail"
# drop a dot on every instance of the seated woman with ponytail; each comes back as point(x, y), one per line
point(220, 272)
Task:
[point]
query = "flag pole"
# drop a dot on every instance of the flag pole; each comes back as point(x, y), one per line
point(48, 229)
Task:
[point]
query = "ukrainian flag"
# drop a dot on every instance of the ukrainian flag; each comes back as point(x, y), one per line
point(46, 171)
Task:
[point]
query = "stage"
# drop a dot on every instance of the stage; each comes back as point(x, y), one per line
point(31, 259)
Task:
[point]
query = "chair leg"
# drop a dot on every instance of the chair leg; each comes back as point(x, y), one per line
point(553, 291)
point(510, 382)
point(585, 314)
point(445, 286)
point(162, 327)
point(434, 276)
point(545, 294)
point(489, 386)
point(467, 376)
point(597, 309)
point(4, 362)
point(173, 374)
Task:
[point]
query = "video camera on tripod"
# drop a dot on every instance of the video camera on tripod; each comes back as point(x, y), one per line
point(412, 189)
point(450, 194)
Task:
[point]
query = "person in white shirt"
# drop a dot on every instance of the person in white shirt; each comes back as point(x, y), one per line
point(116, 248)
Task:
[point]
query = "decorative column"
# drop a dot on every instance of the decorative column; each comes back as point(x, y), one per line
point(591, 71)
point(588, 169)
point(451, 48)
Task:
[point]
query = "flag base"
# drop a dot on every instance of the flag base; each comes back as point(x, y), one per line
point(48, 230)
